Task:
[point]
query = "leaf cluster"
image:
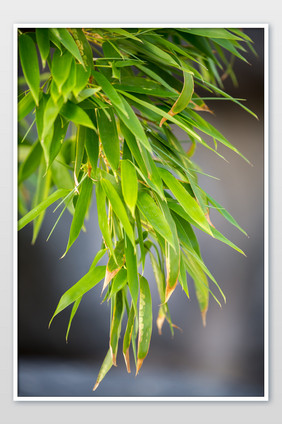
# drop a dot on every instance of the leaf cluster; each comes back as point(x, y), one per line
point(97, 110)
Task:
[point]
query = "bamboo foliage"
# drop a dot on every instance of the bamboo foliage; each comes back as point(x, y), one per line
point(105, 107)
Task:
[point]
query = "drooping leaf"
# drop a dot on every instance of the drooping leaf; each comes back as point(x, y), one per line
point(25, 106)
point(76, 114)
point(188, 203)
point(80, 211)
point(109, 137)
point(31, 215)
point(30, 67)
point(64, 37)
point(61, 65)
point(132, 271)
point(43, 43)
point(129, 184)
point(145, 322)
point(86, 283)
point(105, 368)
point(116, 324)
point(127, 336)
point(118, 208)
point(102, 216)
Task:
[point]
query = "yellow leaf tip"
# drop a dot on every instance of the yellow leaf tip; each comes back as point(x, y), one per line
point(139, 365)
point(127, 360)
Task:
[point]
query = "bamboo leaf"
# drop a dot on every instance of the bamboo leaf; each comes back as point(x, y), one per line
point(129, 185)
point(109, 137)
point(31, 215)
point(116, 324)
point(127, 336)
point(42, 191)
point(43, 43)
point(185, 95)
point(145, 322)
point(188, 203)
point(132, 271)
point(119, 282)
point(105, 368)
point(76, 114)
point(61, 66)
point(25, 105)
point(82, 77)
point(73, 312)
point(110, 91)
point(30, 67)
point(64, 37)
point(154, 216)
point(80, 211)
point(118, 208)
point(86, 283)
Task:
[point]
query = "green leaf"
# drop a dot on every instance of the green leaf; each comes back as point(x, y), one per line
point(128, 335)
point(110, 91)
point(134, 125)
point(154, 216)
point(31, 215)
point(77, 115)
point(31, 163)
point(132, 271)
point(105, 368)
point(86, 283)
point(119, 281)
point(79, 150)
point(61, 66)
point(73, 312)
point(211, 33)
point(185, 95)
point(145, 322)
point(25, 106)
point(60, 130)
point(225, 214)
point(118, 208)
point(92, 148)
point(42, 191)
point(64, 37)
point(30, 67)
point(102, 216)
point(80, 211)
point(82, 77)
point(83, 46)
point(109, 137)
point(129, 184)
point(188, 203)
point(97, 258)
point(43, 43)
point(116, 324)
point(51, 112)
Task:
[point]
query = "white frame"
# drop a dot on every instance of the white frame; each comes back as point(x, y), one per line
point(266, 216)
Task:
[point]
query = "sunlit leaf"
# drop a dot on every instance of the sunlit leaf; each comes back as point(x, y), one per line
point(30, 66)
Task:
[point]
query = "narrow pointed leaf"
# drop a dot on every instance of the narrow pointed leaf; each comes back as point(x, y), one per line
point(30, 216)
point(154, 216)
point(105, 368)
point(127, 337)
point(86, 283)
point(61, 65)
point(76, 114)
point(132, 272)
point(109, 137)
point(30, 67)
point(80, 211)
point(188, 203)
point(129, 184)
point(43, 43)
point(145, 322)
point(118, 208)
point(116, 324)
point(25, 106)
point(64, 37)
point(73, 312)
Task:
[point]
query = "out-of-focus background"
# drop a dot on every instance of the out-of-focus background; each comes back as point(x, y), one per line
point(224, 359)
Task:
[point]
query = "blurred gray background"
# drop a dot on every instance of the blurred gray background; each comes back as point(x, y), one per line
point(224, 359)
